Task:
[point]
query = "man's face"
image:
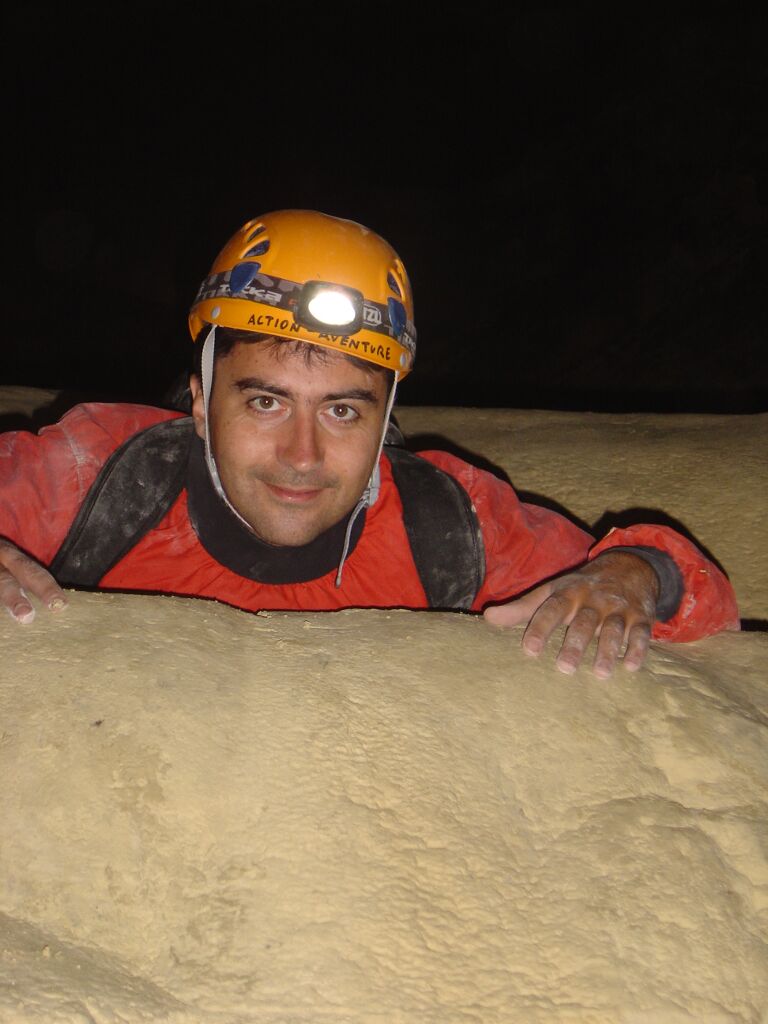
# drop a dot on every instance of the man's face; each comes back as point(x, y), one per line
point(294, 444)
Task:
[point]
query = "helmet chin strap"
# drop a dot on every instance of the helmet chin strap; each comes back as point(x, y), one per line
point(206, 372)
point(369, 495)
point(371, 492)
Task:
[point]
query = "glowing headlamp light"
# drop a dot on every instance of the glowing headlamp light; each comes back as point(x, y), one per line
point(330, 307)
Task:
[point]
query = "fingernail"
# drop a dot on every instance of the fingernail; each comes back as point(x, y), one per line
point(57, 604)
point(23, 615)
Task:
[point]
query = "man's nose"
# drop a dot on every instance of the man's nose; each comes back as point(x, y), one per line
point(301, 447)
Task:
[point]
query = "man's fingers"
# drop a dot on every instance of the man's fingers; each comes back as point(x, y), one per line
point(609, 645)
point(556, 610)
point(637, 646)
point(516, 612)
point(18, 605)
point(13, 598)
point(577, 639)
point(21, 575)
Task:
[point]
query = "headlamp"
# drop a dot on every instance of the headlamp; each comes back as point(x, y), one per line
point(327, 307)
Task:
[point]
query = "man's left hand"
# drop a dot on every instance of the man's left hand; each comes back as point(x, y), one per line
point(612, 598)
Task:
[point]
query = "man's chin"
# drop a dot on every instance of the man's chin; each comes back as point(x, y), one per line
point(288, 535)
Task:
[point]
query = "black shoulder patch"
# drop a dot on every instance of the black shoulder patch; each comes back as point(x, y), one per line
point(443, 531)
point(134, 490)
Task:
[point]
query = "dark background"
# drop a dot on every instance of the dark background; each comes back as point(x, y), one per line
point(578, 190)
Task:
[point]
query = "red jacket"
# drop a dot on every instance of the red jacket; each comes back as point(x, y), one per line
point(44, 479)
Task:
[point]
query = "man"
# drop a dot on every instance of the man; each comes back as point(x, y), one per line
point(279, 492)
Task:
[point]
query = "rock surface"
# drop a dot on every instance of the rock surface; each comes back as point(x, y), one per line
point(210, 816)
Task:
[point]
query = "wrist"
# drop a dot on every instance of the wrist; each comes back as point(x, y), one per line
point(669, 579)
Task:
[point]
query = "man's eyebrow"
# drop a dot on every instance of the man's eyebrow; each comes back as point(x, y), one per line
point(257, 384)
point(359, 394)
point(353, 394)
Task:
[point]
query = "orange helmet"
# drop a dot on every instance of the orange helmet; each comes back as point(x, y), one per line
point(307, 276)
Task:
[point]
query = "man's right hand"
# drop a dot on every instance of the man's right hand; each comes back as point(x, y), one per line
point(21, 575)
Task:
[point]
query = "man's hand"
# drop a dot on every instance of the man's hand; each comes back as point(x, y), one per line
point(19, 575)
point(612, 598)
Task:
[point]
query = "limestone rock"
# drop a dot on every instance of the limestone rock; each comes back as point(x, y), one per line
point(219, 818)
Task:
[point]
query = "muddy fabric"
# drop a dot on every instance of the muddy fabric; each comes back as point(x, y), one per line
point(45, 480)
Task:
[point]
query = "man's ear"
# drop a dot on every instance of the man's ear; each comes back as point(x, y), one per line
point(198, 405)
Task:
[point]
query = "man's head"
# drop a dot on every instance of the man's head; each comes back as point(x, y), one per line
point(308, 322)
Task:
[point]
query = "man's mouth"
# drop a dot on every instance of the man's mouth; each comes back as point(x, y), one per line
point(293, 495)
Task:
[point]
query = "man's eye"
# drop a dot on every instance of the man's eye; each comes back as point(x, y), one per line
point(264, 403)
point(343, 412)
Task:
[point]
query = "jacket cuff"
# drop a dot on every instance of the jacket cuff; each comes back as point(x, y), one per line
point(671, 584)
